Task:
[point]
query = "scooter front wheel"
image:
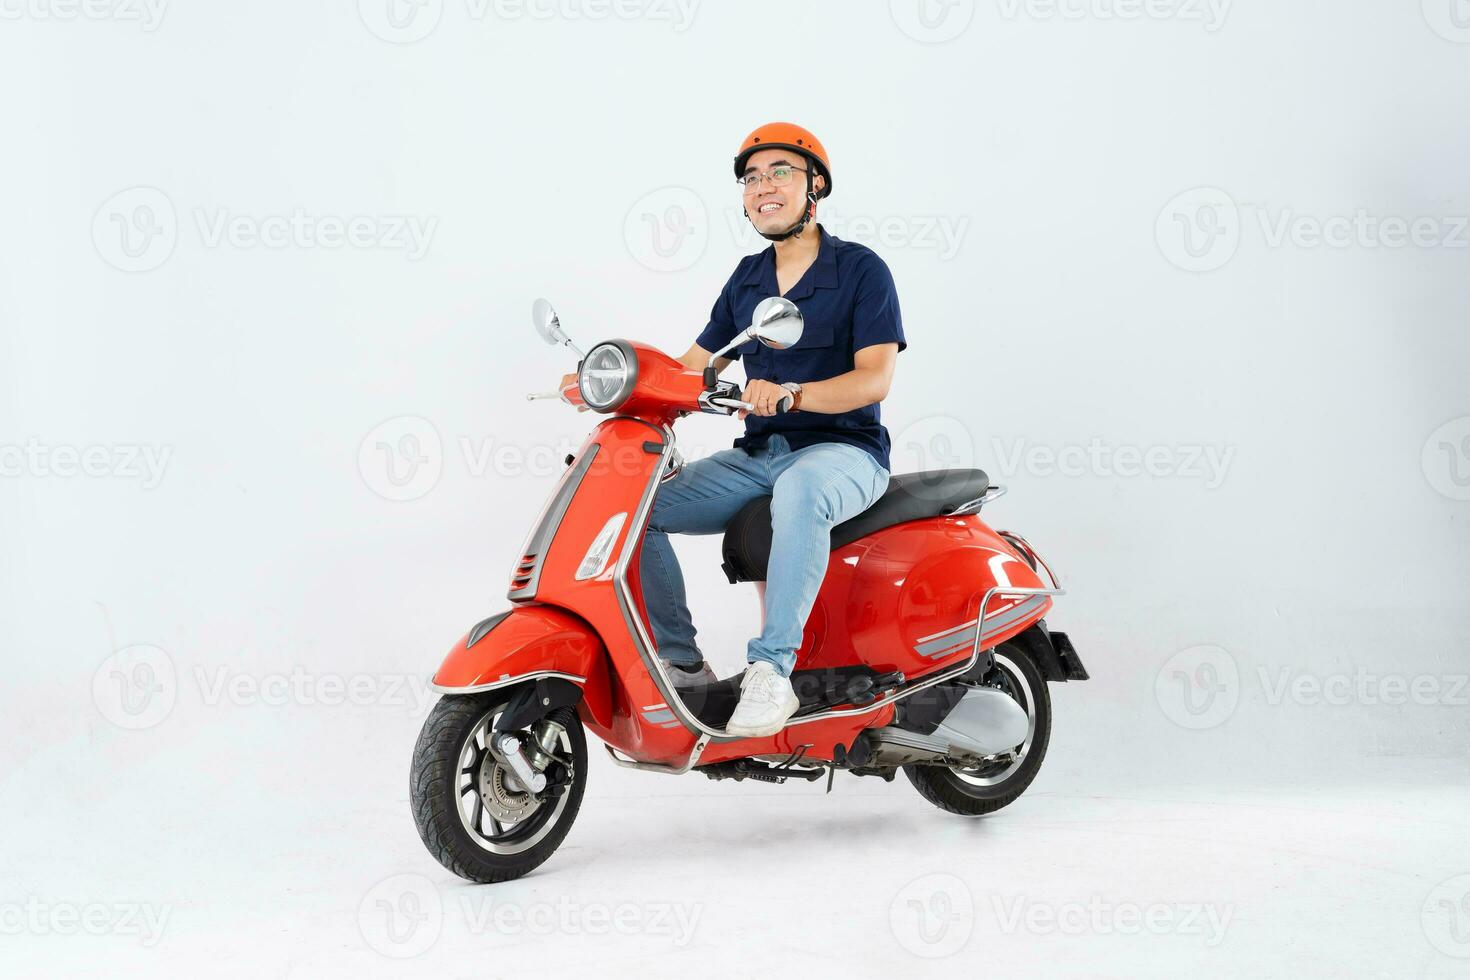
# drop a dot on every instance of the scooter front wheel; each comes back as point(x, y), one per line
point(472, 812)
point(978, 790)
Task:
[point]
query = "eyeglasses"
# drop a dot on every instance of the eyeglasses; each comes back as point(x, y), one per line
point(778, 176)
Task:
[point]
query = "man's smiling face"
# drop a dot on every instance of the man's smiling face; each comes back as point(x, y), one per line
point(773, 209)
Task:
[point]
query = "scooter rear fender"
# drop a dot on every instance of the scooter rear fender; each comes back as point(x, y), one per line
point(525, 644)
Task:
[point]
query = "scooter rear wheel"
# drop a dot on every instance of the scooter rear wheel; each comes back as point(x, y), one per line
point(472, 813)
point(979, 790)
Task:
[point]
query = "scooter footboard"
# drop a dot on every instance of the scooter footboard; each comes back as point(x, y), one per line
point(529, 643)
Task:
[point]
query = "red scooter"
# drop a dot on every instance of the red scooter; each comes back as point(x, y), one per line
point(926, 649)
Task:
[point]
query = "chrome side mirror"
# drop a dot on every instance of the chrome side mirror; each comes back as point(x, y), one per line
point(549, 326)
point(776, 323)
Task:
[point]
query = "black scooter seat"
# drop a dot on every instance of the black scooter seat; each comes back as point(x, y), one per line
point(746, 549)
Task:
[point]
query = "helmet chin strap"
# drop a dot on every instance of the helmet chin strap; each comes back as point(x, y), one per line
point(800, 225)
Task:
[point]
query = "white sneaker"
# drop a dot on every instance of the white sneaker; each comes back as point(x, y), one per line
point(686, 677)
point(766, 701)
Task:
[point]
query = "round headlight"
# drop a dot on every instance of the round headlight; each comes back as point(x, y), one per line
point(607, 375)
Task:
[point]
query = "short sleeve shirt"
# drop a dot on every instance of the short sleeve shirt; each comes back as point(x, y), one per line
point(847, 301)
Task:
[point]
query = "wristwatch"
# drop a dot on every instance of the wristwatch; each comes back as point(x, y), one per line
point(795, 390)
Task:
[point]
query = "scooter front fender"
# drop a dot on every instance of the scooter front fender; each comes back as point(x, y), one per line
point(527, 643)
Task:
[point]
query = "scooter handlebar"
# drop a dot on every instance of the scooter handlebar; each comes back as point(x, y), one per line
point(733, 405)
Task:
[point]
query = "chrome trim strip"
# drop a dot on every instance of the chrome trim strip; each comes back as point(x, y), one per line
point(636, 629)
point(967, 624)
point(506, 681)
point(689, 763)
point(951, 638)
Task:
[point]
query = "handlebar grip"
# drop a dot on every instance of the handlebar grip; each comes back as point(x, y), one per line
point(783, 405)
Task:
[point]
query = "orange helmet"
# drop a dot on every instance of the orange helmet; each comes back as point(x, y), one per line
point(787, 136)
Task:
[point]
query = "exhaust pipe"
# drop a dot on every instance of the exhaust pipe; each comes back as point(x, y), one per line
point(984, 724)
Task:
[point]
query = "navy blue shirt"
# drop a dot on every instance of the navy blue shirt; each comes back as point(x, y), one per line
point(847, 302)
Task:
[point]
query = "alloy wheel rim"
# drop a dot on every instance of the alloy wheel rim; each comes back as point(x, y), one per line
point(494, 810)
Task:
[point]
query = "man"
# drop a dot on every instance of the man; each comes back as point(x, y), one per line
point(822, 462)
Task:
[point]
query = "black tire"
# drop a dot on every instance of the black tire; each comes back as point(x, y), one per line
point(946, 789)
point(435, 789)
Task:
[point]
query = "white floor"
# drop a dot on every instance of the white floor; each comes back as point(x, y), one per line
point(301, 875)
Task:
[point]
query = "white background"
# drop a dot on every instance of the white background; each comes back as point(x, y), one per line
point(1100, 217)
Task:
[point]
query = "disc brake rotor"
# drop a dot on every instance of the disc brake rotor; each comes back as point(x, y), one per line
point(503, 797)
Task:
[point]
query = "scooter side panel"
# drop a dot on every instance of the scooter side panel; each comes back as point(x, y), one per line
point(906, 598)
point(532, 640)
point(628, 453)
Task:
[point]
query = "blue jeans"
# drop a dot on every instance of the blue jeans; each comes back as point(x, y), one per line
point(811, 489)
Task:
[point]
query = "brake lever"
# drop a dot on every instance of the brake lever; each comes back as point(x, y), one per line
point(782, 406)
